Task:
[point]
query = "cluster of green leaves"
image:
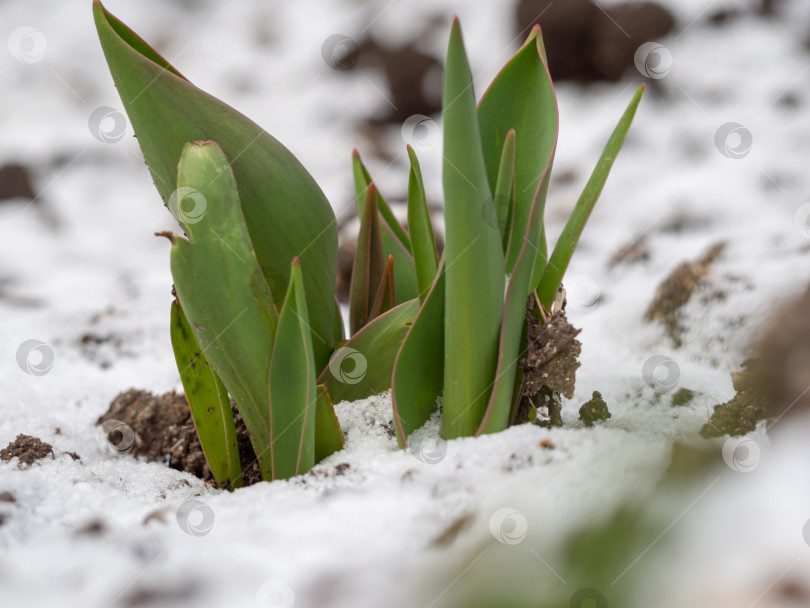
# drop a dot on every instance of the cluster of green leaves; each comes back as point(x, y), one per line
point(256, 318)
point(469, 334)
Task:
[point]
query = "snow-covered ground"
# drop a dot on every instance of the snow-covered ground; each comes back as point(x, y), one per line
point(82, 261)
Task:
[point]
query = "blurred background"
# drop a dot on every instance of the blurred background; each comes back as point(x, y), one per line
point(712, 183)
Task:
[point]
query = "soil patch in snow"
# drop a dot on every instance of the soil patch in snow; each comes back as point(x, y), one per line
point(162, 429)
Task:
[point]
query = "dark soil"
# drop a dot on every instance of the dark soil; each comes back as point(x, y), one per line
point(408, 72)
point(549, 366)
point(677, 289)
point(784, 365)
point(586, 42)
point(682, 397)
point(777, 383)
point(28, 449)
point(594, 410)
point(740, 415)
point(164, 431)
point(15, 182)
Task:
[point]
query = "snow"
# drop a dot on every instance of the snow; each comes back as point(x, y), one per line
point(367, 535)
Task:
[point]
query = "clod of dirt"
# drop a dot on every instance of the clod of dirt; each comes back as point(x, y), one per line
point(595, 410)
point(784, 364)
point(587, 42)
point(164, 596)
point(28, 449)
point(408, 72)
point(164, 431)
point(94, 527)
point(7, 497)
point(549, 366)
point(677, 289)
point(682, 397)
point(775, 384)
point(459, 525)
point(740, 415)
point(15, 182)
point(633, 252)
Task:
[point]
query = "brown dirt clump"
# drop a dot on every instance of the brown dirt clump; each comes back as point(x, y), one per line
point(632, 253)
point(549, 366)
point(594, 410)
point(28, 449)
point(15, 182)
point(740, 415)
point(677, 289)
point(775, 384)
point(784, 366)
point(163, 430)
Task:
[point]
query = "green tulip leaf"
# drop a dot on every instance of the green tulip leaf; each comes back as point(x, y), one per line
point(504, 201)
point(394, 240)
point(564, 248)
point(293, 391)
point(512, 346)
point(362, 180)
point(221, 287)
point(419, 367)
point(286, 213)
point(521, 98)
point(474, 255)
point(386, 296)
point(328, 434)
point(362, 366)
point(423, 243)
point(209, 403)
point(368, 264)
